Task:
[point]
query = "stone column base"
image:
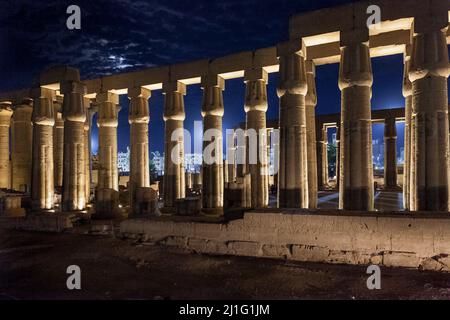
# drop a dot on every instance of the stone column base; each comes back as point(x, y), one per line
point(146, 203)
point(107, 204)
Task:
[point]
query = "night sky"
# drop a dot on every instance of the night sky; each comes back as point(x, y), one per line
point(123, 35)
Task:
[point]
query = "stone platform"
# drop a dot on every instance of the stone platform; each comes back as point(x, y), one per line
point(43, 222)
point(395, 239)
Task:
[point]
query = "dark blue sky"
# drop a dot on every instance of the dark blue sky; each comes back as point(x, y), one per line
point(124, 35)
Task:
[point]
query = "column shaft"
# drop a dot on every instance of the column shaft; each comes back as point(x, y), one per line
point(5, 166)
point(256, 108)
point(74, 158)
point(87, 151)
point(390, 154)
point(138, 118)
point(428, 73)
point(293, 170)
point(108, 175)
point(174, 177)
point(42, 189)
point(58, 142)
point(407, 86)
point(22, 139)
point(355, 81)
point(311, 102)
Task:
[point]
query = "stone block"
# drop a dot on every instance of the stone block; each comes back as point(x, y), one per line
point(188, 206)
point(244, 248)
point(309, 253)
point(400, 259)
point(276, 251)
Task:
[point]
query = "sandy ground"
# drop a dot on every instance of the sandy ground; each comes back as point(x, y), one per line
point(33, 266)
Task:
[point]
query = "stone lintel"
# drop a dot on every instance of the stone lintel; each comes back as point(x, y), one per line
point(68, 87)
point(41, 92)
point(291, 47)
point(355, 36)
point(174, 86)
point(59, 74)
point(139, 92)
point(213, 80)
point(256, 74)
point(107, 97)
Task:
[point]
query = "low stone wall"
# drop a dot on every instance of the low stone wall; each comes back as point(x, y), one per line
point(44, 222)
point(420, 240)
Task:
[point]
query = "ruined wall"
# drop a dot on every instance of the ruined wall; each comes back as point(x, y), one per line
point(397, 240)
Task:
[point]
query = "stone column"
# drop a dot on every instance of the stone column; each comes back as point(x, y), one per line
point(324, 146)
point(407, 86)
point(174, 177)
point(43, 117)
point(429, 70)
point(390, 153)
point(22, 139)
point(292, 89)
point(338, 153)
point(74, 172)
point(319, 149)
point(58, 141)
point(108, 174)
point(255, 109)
point(212, 166)
point(138, 117)
point(311, 102)
point(355, 82)
point(87, 149)
point(5, 123)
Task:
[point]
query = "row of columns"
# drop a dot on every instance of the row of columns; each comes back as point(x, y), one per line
point(426, 144)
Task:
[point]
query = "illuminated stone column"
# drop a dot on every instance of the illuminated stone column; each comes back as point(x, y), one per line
point(5, 123)
point(311, 102)
point(292, 89)
point(355, 81)
point(107, 198)
point(58, 141)
point(87, 149)
point(407, 91)
point(212, 166)
point(74, 172)
point(138, 117)
point(338, 153)
point(390, 153)
point(322, 163)
point(42, 188)
point(22, 139)
point(174, 115)
point(429, 70)
point(255, 109)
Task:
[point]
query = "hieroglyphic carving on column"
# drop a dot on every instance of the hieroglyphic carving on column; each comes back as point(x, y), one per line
point(138, 117)
point(74, 115)
point(174, 115)
point(58, 141)
point(212, 167)
point(311, 102)
point(407, 92)
point(292, 89)
point(255, 109)
point(6, 112)
point(43, 117)
point(22, 139)
point(429, 70)
point(355, 81)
